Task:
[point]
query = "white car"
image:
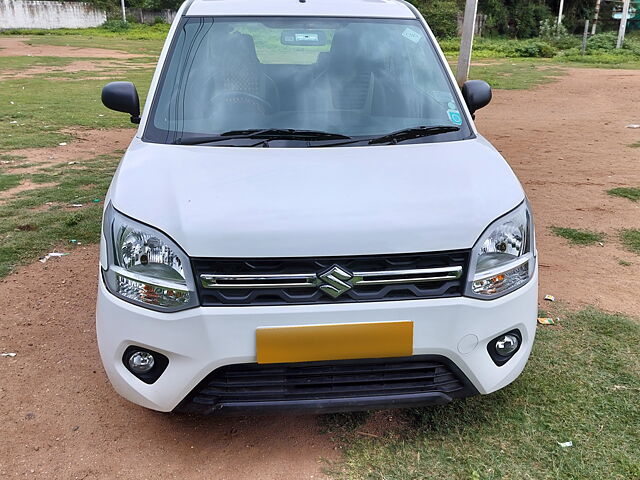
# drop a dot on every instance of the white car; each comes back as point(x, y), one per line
point(307, 219)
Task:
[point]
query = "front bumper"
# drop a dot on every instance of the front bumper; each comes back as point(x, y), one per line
point(200, 340)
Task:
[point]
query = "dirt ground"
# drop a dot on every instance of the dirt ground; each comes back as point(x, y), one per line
point(14, 46)
point(568, 143)
point(60, 418)
point(101, 59)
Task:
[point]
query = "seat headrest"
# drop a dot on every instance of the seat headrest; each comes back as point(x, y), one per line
point(347, 49)
point(236, 50)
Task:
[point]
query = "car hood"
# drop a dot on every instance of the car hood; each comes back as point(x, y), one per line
point(285, 202)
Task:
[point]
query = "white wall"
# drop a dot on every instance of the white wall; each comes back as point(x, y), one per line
point(38, 14)
point(149, 16)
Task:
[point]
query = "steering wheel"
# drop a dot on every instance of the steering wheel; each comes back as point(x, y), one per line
point(248, 96)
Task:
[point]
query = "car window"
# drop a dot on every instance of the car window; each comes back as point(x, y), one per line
point(350, 77)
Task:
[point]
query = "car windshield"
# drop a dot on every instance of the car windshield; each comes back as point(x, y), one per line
point(301, 79)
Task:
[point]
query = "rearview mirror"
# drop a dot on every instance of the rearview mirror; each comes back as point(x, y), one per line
point(477, 94)
point(304, 38)
point(122, 97)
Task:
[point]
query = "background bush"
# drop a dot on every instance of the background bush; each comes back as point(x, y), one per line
point(556, 35)
point(535, 48)
point(116, 25)
point(441, 15)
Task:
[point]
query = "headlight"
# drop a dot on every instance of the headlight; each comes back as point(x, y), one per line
point(145, 266)
point(503, 258)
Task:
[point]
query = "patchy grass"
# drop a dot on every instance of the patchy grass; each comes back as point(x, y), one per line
point(11, 158)
point(42, 108)
point(624, 263)
point(630, 239)
point(635, 145)
point(104, 74)
point(37, 111)
point(600, 61)
point(20, 63)
point(21, 165)
point(141, 46)
point(35, 221)
point(515, 74)
point(8, 181)
point(578, 237)
point(342, 424)
point(581, 385)
point(632, 193)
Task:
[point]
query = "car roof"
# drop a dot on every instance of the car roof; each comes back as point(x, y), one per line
point(319, 8)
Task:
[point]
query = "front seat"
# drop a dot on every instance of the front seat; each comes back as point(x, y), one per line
point(239, 86)
point(349, 76)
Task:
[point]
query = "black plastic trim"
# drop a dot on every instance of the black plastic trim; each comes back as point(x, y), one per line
point(336, 403)
point(161, 362)
point(378, 402)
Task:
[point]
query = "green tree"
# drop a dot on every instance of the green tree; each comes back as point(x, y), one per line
point(441, 15)
point(156, 4)
point(516, 18)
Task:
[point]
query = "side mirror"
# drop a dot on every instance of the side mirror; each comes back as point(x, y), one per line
point(122, 97)
point(477, 94)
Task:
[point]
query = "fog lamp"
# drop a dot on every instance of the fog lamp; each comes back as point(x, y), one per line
point(502, 348)
point(141, 362)
point(506, 345)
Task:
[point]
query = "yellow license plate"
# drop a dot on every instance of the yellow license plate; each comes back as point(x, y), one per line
point(334, 342)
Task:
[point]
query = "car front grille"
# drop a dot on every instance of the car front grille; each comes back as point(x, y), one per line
point(274, 281)
point(256, 386)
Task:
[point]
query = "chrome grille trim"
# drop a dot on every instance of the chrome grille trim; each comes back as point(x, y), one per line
point(306, 280)
point(258, 281)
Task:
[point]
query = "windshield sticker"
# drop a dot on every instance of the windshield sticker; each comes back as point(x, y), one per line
point(412, 35)
point(455, 117)
point(443, 97)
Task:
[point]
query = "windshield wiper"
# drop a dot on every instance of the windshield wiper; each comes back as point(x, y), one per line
point(266, 133)
point(287, 133)
point(413, 132)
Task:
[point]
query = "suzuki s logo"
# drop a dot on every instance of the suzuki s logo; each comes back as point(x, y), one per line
point(335, 281)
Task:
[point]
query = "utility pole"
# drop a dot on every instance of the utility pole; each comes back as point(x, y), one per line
point(585, 35)
point(466, 43)
point(595, 18)
point(560, 12)
point(124, 13)
point(623, 23)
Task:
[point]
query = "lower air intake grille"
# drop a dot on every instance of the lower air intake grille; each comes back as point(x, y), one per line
point(319, 383)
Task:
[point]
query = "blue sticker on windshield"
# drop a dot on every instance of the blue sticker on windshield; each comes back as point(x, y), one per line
point(412, 35)
point(455, 117)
